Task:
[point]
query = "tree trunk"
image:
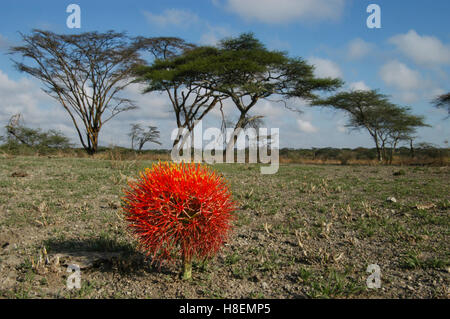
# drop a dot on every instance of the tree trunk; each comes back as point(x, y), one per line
point(383, 149)
point(92, 146)
point(412, 153)
point(179, 136)
point(393, 148)
point(379, 154)
point(236, 132)
point(132, 143)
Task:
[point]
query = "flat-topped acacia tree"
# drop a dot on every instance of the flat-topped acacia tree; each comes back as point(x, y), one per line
point(246, 72)
point(86, 73)
point(402, 127)
point(177, 70)
point(372, 111)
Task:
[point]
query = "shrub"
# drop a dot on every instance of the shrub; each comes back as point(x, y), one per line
point(400, 173)
point(345, 156)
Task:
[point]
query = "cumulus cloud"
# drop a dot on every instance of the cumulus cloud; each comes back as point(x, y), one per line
point(283, 11)
point(422, 49)
point(325, 68)
point(214, 34)
point(359, 86)
point(172, 17)
point(210, 34)
point(398, 75)
point(409, 83)
point(25, 97)
point(358, 48)
point(306, 126)
point(269, 109)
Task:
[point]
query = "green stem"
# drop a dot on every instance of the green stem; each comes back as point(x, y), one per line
point(187, 269)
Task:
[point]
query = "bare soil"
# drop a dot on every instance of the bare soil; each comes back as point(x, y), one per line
point(309, 231)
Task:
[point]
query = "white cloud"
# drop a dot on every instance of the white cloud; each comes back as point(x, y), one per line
point(185, 19)
point(283, 11)
point(325, 68)
point(398, 75)
point(410, 84)
point(408, 96)
point(25, 97)
point(172, 17)
point(214, 35)
point(306, 126)
point(359, 48)
point(269, 110)
point(359, 86)
point(423, 50)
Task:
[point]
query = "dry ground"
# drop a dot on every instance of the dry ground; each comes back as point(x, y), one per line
point(308, 231)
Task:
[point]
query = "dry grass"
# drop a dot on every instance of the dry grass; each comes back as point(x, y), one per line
point(307, 231)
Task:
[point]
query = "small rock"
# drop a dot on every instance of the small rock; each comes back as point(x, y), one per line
point(391, 199)
point(265, 285)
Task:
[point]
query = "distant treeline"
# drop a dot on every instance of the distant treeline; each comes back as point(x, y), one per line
point(420, 154)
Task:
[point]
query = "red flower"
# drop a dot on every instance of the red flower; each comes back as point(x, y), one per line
point(179, 209)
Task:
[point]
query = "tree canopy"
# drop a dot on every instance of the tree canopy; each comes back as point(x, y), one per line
point(178, 71)
point(242, 69)
point(246, 72)
point(139, 136)
point(384, 121)
point(85, 73)
point(443, 102)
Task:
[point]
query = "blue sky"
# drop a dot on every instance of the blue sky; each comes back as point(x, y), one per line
point(408, 58)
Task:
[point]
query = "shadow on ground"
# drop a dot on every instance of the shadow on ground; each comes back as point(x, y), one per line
point(101, 254)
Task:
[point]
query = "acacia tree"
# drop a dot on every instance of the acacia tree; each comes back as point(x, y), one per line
point(384, 121)
point(177, 70)
point(246, 72)
point(139, 136)
point(403, 127)
point(363, 108)
point(86, 73)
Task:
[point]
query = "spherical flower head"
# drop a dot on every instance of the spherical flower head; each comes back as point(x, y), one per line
point(181, 210)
